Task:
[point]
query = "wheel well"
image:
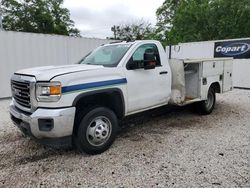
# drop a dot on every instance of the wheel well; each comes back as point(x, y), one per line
point(112, 99)
point(216, 87)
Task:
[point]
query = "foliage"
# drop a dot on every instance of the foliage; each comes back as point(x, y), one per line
point(197, 20)
point(139, 30)
point(38, 16)
point(165, 15)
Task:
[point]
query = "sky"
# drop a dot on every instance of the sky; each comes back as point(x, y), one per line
point(94, 18)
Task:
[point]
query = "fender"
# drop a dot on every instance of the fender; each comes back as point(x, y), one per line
point(101, 91)
point(216, 86)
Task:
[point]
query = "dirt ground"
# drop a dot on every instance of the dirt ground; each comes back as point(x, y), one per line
point(171, 149)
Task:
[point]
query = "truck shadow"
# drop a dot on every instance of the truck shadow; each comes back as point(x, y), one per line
point(134, 128)
point(35, 152)
point(153, 120)
point(165, 119)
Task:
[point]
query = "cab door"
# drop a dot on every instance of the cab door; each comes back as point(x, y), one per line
point(147, 88)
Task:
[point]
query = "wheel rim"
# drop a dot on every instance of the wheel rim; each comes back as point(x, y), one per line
point(99, 131)
point(210, 100)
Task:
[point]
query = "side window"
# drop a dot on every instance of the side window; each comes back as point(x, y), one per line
point(139, 53)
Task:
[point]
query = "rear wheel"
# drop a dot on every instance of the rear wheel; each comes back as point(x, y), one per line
point(96, 131)
point(207, 106)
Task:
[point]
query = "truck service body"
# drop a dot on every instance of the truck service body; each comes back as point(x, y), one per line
point(81, 104)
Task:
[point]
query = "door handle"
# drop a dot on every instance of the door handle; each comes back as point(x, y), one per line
point(164, 72)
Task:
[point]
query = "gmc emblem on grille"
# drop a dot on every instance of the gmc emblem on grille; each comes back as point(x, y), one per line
point(17, 92)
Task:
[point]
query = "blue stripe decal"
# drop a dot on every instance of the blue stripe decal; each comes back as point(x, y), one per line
point(92, 85)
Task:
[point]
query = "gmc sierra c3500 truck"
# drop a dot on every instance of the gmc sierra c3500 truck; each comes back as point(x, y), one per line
point(81, 104)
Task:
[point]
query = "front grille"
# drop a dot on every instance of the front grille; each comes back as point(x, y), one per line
point(21, 92)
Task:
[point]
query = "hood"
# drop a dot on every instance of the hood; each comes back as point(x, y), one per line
point(48, 72)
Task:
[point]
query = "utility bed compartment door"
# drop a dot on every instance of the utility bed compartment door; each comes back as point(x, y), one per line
point(227, 76)
point(212, 68)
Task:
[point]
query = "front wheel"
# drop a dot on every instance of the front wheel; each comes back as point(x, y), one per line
point(207, 106)
point(97, 131)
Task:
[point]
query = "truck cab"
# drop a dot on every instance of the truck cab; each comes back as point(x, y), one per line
point(81, 104)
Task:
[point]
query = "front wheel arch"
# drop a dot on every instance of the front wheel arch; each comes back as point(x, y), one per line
point(112, 98)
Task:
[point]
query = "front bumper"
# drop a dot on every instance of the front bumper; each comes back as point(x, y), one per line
point(60, 126)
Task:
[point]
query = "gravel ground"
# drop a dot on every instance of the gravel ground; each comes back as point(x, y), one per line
point(174, 149)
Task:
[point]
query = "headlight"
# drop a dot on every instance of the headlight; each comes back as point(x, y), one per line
point(48, 92)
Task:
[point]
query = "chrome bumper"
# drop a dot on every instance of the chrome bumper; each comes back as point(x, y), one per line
point(63, 121)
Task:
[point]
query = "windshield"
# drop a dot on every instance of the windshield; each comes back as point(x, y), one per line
point(108, 56)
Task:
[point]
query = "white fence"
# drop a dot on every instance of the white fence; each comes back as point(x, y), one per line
point(22, 50)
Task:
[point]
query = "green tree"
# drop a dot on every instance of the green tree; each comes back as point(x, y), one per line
point(38, 16)
point(198, 20)
point(139, 30)
point(165, 15)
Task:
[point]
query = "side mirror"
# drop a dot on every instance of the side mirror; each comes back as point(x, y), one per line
point(132, 65)
point(149, 60)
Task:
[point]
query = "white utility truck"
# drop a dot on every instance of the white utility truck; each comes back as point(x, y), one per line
point(82, 104)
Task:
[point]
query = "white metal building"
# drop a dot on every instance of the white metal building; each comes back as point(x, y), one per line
point(208, 49)
point(20, 50)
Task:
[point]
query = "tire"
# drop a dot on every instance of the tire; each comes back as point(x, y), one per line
point(206, 107)
point(96, 131)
